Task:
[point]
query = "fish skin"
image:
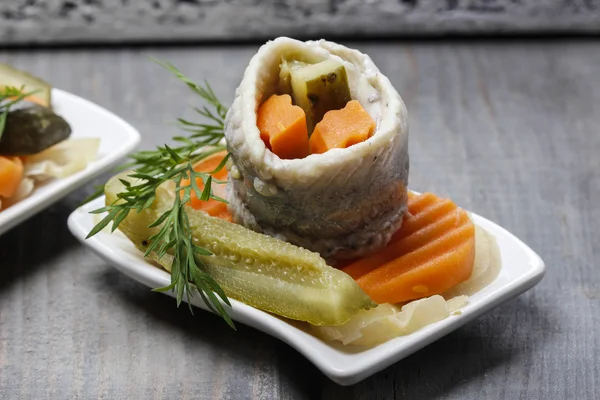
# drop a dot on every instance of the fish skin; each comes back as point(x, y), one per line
point(343, 203)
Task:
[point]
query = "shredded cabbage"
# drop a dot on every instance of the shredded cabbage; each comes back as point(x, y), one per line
point(387, 321)
point(61, 160)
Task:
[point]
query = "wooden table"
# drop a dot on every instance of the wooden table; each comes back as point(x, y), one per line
point(510, 130)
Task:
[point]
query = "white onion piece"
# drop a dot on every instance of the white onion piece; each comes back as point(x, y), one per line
point(62, 159)
point(456, 303)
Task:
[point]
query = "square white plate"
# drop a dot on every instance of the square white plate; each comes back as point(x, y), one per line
point(521, 269)
point(117, 139)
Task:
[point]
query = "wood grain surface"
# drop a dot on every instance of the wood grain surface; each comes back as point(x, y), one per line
point(151, 21)
point(510, 130)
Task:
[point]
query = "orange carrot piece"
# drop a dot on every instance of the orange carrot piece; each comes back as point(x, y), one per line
point(33, 99)
point(422, 217)
point(283, 127)
point(213, 207)
point(342, 128)
point(433, 251)
point(11, 174)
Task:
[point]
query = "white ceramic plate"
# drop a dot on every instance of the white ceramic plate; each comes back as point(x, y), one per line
point(117, 139)
point(521, 269)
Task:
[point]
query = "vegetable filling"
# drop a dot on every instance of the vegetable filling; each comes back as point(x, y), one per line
point(319, 106)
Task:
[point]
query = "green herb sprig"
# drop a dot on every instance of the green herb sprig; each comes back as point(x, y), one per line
point(9, 96)
point(151, 169)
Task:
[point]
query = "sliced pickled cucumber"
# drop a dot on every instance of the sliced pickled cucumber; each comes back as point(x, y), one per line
point(285, 75)
point(319, 88)
point(256, 269)
point(10, 76)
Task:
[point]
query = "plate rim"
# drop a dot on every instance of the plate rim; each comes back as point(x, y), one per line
point(15, 215)
point(269, 323)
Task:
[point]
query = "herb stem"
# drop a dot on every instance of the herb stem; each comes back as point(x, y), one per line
point(153, 168)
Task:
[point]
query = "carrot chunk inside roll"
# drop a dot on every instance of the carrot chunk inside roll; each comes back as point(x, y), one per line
point(340, 129)
point(282, 127)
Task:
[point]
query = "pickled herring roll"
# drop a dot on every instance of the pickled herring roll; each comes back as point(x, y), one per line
point(318, 139)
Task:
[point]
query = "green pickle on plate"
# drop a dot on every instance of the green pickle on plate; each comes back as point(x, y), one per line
point(256, 269)
point(33, 129)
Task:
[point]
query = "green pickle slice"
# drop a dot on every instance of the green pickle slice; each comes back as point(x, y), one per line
point(256, 269)
point(10, 76)
point(319, 88)
point(31, 130)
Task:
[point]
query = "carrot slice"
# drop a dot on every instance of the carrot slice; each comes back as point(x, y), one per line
point(422, 217)
point(282, 127)
point(433, 251)
point(32, 99)
point(213, 207)
point(11, 174)
point(342, 128)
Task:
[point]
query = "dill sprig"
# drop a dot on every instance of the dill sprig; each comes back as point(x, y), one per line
point(151, 169)
point(9, 96)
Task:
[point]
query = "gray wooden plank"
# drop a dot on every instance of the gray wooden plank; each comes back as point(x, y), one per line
point(507, 129)
point(114, 21)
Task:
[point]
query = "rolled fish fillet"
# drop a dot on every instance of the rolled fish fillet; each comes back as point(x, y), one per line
point(343, 203)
